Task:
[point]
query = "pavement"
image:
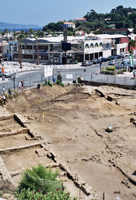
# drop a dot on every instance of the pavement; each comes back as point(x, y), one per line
point(14, 67)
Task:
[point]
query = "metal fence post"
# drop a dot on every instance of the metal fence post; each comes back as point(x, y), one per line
point(115, 79)
point(91, 76)
point(41, 78)
point(107, 78)
point(135, 81)
point(30, 82)
point(125, 80)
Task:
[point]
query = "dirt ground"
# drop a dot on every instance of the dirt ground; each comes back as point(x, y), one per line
point(74, 124)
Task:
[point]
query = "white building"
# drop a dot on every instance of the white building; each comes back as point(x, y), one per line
point(69, 25)
point(82, 48)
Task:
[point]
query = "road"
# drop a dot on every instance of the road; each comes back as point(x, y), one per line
point(90, 73)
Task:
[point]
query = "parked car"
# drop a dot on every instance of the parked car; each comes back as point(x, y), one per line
point(126, 54)
point(6, 58)
point(118, 56)
point(87, 63)
point(7, 75)
point(1, 74)
point(114, 62)
point(103, 59)
point(126, 63)
point(95, 61)
point(111, 58)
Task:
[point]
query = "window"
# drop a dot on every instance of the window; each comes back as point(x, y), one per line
point(86, 46)
point(91, 45)
point(28, 47)
point(100, 45)
point(96, 44)
point(27, 56)
point(15, 55)
point(107, 45)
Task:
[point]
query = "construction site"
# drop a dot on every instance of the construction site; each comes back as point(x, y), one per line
point(66, 128)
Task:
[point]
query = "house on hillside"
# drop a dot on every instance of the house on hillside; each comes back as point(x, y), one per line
point(117, 31)
point(80, 20)
point(69, 25)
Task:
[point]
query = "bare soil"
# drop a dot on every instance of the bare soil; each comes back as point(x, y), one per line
point(74, 124)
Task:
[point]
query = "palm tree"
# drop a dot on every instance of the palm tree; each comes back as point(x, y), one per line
point(31, 31)
point(131, 44)
point(2, 34)
point(14, 34)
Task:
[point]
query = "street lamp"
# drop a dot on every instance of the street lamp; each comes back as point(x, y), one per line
point(2, 57)
point(21, 55)
point(37, 52)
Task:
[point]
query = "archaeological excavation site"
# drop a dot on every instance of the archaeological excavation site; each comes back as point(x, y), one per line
point(65, 128)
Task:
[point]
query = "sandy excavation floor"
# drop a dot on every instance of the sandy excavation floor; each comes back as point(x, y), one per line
point(79, 117)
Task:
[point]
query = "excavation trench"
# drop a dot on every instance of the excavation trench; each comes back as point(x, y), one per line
point(74, 125)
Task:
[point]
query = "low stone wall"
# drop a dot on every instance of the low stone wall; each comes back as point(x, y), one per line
point(93, 83)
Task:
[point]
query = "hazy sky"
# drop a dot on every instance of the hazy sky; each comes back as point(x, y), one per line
point(41, 12)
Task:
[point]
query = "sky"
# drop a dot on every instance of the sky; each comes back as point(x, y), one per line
point(42, 12)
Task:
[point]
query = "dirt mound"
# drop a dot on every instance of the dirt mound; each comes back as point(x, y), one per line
point(39, 98)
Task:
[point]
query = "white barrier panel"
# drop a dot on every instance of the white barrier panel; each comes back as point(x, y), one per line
point(48, 71)
point(69, 76)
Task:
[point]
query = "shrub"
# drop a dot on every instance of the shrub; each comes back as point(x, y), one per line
point(111, 68)
point(10, 97)
point(108, 72)
point(9, 91)
point(16, 93)
point(32, 194)
point(47, 83)
point(120, 71)
point(40, 178)
point(60, 83)
point(40, 183)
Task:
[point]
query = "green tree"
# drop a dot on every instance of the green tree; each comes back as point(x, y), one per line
point(132, 17)
point(31, 31)
point(97, 32)
point(14, 34)
point(40, 178)
point(6, 31)
point(3, 33)
point(135, 30)
point(131, 44)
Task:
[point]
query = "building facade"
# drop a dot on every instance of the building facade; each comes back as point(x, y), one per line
point(49, 50)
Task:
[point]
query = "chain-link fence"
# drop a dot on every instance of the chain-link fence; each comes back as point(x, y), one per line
point(67, 76)
point(72, 77)
point(115, 79)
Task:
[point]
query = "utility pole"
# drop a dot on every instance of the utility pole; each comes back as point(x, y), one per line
point(65, 40)
point(2, 57)
point(37, 51)
point(21, 55)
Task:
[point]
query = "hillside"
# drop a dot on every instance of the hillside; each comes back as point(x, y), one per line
point(9, 26)
point(119, 18)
